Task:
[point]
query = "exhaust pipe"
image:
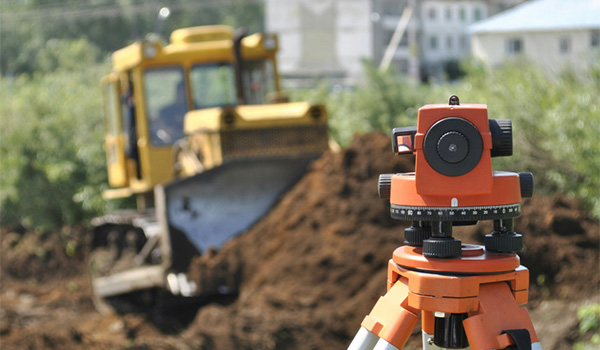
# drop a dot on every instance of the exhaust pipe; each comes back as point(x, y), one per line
point(238, 64)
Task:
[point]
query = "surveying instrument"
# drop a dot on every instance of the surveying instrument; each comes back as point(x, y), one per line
point(466, 295)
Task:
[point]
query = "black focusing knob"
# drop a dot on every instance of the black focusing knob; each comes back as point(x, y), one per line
point(526, 181)
point(502, 144)
point(385, 185)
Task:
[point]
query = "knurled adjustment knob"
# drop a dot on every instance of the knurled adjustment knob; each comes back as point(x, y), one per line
point(385, 185)
point(526, 181)
point(415, 235)
point(504, 242)
point(442, 247)
point(502, 140)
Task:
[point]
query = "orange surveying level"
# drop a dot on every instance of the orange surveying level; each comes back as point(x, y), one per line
point(465, 295)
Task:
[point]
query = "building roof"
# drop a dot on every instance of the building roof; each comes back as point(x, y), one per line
point(543, 15)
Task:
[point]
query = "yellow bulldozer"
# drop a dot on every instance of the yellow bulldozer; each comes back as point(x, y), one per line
point(199, 132)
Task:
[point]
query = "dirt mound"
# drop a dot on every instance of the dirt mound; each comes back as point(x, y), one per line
point(306, 274)
point(314, 267)
point(561, 243)
point(44, 255)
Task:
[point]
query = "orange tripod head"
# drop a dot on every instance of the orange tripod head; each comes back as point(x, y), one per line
point(453, 182)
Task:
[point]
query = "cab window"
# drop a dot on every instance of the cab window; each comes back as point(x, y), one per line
point(166, 104)
point(111, 108)
point(213, 85)
point(259, 81)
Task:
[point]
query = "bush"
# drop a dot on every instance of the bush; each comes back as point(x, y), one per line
point(589, 323)
point(385, 100)
point(51, 153)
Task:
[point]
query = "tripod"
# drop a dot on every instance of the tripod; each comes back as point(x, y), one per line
point(470, 300)
point(465, 295)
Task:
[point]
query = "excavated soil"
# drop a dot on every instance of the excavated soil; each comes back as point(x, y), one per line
point(305, 275)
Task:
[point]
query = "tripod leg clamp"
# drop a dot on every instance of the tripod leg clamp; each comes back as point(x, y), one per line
point(520, 337)
point(489, 327)
point(392, 319)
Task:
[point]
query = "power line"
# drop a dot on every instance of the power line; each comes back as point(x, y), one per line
point(20, 7)
point(62, 13)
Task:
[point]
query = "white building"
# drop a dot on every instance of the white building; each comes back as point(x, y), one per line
point(330, 38)
point(321, 38)
point(444, 31)
point(553, 33)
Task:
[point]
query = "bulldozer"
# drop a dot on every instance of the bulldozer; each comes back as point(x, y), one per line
point(200, 134)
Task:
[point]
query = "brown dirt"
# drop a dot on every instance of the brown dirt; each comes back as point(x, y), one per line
point(306, 274)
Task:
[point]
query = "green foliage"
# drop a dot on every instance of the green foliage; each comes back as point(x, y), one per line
point(67, 55)
point(51, 155)
point(593, 344)
point(383, 101)
point(589, 318)
point(589, 321)
point(26, 27)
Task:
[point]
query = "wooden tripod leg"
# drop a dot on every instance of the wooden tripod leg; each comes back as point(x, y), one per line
point(498, 312)
point(392, 319)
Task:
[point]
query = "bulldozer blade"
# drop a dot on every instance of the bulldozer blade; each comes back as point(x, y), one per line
point(212, 207)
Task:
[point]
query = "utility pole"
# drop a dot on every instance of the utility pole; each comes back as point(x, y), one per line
point(413, 58)
point(396, 38)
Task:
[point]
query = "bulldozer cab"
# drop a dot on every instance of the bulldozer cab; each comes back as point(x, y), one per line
point(153, 86)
